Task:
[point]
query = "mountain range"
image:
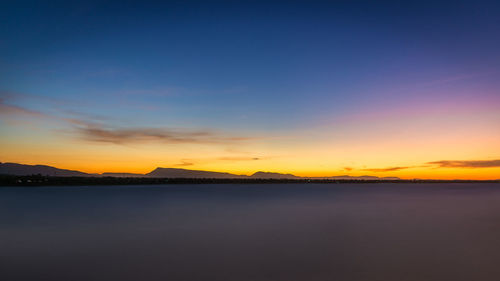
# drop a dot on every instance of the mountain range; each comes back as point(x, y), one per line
point(26, 170)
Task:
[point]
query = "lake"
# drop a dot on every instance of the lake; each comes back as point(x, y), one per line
point(254, 232)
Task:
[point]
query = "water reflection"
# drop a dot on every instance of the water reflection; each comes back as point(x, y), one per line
point(251, 232)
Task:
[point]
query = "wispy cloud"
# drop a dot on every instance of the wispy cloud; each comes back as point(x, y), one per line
point(9, 109)
point(466, 163)
point(99, 133)
point(238, 158)
point(455, 78)
point(87, 116)
point(388, 169)
point(184, 163)
point(95, 131)
point(41, 100)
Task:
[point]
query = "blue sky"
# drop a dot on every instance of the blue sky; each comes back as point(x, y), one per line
point(249, 67)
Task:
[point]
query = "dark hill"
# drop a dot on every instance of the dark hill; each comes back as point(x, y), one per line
point(269, 175)
point(196, 174)
point(27, 170)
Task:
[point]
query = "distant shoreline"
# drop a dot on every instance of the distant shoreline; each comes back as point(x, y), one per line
point(38, 180)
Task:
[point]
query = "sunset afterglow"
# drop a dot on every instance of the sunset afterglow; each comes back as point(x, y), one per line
point(242, 88)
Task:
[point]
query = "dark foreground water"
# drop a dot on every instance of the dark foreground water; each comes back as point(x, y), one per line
point(244, 232)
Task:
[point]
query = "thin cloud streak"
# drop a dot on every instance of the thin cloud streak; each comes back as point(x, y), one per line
point(7, 109)
point(466, 163)
point(388, 169)
point(454, 79)
point(239, 158)
point(98, 132)
point(184, 163)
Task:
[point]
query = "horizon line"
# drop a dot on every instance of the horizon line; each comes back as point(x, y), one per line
point(259, 171)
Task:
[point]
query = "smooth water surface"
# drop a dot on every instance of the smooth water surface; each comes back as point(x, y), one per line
point(288, 232)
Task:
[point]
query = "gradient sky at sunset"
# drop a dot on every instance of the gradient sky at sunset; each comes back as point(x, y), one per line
point(385, 88)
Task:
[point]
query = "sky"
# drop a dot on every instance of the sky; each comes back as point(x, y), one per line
point(385, 88)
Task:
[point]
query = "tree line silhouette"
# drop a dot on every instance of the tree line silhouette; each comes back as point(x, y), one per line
point(41, 180)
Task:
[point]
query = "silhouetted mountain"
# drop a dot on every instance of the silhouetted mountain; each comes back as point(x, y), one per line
point(390, 178)
point(26, 170)
point(269, 175)
point(184, 173)
point(123, 175)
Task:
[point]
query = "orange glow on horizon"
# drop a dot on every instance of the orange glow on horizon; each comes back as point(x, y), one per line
point(385, 147)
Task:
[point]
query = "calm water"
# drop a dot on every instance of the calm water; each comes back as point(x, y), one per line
point(252, 232)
